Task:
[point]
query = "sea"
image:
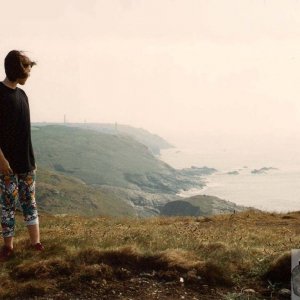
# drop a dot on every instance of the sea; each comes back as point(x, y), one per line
point(275, 189)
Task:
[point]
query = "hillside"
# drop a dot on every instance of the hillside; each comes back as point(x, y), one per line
point(229, 256)
point(60, 194)
point(98, 158)
point(115, 164)
point(154, 142)
point(200, 205)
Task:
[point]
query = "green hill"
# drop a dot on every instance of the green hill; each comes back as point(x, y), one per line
point(116, 165)
point(94, 157)
point(154, 142)
point(105, 159)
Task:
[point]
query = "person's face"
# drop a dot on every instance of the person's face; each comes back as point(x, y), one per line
point(26, 65)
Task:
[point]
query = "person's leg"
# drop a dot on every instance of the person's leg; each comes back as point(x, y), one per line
point(28, 204)
point(34, 233)
point(8, 197)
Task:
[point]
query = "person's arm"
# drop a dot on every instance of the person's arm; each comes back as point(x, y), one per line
point(4, 165)
point(4, 120)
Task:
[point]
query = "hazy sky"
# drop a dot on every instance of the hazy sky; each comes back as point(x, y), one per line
point(175, 67)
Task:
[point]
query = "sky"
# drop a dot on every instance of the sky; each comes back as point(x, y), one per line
point(183, 69)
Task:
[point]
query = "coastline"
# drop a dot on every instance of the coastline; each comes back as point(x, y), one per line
point(276, 190)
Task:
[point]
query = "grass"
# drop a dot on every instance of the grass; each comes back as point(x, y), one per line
point(58, 193)
point(247, 250)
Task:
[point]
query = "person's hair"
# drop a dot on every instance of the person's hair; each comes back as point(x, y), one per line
point(14, 65)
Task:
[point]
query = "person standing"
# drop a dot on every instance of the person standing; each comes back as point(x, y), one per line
point(17, 161)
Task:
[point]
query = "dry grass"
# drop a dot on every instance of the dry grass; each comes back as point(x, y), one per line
point(240, 250)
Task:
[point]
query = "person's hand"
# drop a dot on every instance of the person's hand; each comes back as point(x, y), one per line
point(5, 168)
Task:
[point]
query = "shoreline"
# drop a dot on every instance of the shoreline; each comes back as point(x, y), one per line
point(276, 190)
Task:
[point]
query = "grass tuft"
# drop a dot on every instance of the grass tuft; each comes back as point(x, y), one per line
point(279, 271)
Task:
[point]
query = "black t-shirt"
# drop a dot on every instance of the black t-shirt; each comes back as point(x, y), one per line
point(15, 136)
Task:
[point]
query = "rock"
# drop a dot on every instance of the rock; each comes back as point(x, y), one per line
point(250, 291)
point(233, 173)
point(262, 170)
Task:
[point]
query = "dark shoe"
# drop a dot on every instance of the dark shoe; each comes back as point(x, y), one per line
point(6, 253)
point(38, 247)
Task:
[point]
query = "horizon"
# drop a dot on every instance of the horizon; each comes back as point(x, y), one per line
point(225, 151)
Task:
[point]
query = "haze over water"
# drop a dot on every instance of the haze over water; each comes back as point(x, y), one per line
point(276, 190)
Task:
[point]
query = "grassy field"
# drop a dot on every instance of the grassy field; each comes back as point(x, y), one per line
point(239, 256)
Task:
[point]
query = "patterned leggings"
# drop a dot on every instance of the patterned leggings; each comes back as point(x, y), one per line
point(17, 187)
